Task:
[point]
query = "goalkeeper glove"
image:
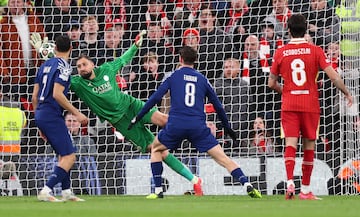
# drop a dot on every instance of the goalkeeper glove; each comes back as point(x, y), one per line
point(133, 122)
point(231, 133)
point(139, 38)
point(36, 41)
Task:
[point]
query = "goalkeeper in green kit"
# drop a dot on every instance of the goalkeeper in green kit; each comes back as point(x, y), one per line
point(97, 88)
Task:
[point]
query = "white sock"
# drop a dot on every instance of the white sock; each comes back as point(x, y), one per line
point(246, 184)
point(195, 180)
point(158, 190)
point(290, 182)
point(305, 189)
point(66, 191)
point(46, 189)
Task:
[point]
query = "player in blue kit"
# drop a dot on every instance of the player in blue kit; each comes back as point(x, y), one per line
point(49, 100)
point(187, 120)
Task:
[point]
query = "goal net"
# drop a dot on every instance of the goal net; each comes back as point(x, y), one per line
point(236, 38)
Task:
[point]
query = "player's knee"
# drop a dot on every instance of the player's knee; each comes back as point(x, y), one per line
point(159, 119)
point(164, 154)
point(67, 161)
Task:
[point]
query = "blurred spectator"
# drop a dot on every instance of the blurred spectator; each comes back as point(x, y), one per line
point(259, 10)
point(8, 170)
point(255, 70)
point(235, 95)
point(215, 44)
point(309, 38)
point(116, 43)
point(154, 13)
point(279, 16)
point(299, 6)
point(185, 17)
point(330, 99)
point(148, 79)
point(333, 54)
point(86, 5)
point(9, 180)
point(249, 23)
point(88, 178)
point(83, 143)
point(44, 7)
point(189, 13)
point(269, 41)
point(91, 42)
point(18, 59)
point(236, 22)
point(74, 33)
point(109, 10)
point(155, 42)
point(191, 38)
point(323, 23)
point(12, 121)
point(261, 138)
point(236, 10)
point(60, 17)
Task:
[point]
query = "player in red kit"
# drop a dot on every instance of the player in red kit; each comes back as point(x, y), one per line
point(298, 64)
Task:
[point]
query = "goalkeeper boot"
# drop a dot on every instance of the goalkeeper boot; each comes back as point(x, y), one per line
point(197, 188)
point(253, 192)
point(290, 192)
point(155, 196)
point(70, 196)
point(47, 196)
point(308, 196)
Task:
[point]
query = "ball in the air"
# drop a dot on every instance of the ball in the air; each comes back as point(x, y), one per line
point(46, 51)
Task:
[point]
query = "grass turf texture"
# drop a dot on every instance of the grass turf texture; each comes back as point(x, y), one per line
point(173, 206)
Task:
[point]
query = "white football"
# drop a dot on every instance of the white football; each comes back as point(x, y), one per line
point(47, 50)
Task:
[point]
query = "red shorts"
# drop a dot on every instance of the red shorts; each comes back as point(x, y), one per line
point(294, 124)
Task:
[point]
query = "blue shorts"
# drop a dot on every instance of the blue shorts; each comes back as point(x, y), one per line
point(201, 138)
point(57, 134)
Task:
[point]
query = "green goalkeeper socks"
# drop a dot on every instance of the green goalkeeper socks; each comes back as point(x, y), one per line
point(178, 167)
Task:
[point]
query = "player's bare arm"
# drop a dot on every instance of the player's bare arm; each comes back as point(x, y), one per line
point(59, 96)
point(274, 84)
point(35, 94)
point(339, 83)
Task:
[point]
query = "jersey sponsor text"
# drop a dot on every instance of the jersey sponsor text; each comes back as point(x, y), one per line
point(102, 88)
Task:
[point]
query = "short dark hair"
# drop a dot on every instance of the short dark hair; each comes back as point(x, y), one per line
point(188, 54)
point(63, 43)
point(297, 25)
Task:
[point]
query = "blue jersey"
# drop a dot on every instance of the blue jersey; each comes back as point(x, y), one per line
point(54, 70)
point(49, 114)
point(188, 91)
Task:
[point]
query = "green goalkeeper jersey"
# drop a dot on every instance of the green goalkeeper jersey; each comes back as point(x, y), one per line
point(102, 94)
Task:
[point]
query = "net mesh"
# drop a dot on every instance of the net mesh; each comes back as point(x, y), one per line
point(235, 36)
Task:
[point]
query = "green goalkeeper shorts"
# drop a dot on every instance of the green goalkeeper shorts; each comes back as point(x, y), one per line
point(139, 135)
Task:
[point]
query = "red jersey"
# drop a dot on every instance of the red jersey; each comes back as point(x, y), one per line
point(298, 63)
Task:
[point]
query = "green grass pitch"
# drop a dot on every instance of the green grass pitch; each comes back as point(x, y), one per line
point(174, 206)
